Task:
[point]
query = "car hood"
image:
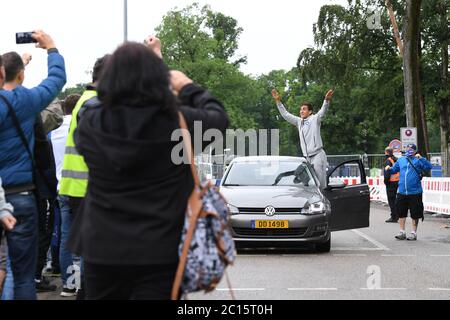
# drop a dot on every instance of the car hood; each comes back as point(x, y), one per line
point(278, 196)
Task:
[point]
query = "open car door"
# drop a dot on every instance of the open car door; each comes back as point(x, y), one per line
point(349, 195)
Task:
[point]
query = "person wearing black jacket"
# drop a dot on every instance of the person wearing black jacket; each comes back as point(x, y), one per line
point(129, 226)
point(391, 182)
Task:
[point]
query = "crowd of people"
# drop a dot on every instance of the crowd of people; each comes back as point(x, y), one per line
point(89, 181)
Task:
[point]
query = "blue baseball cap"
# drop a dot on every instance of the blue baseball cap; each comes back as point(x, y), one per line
point(412, 146)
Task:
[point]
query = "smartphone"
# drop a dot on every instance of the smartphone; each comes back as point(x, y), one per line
point(25, 37)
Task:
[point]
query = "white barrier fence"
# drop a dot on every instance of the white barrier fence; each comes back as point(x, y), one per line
point(436, 192)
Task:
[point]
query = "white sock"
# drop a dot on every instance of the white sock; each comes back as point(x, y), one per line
point(414, 232)
point(402, 231)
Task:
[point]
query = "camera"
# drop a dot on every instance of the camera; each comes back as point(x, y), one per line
point(25, 37)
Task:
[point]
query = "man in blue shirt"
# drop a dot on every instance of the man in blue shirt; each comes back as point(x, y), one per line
point(410, 191)
point(16, 169)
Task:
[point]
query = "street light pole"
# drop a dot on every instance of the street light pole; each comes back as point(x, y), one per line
point(125, 20)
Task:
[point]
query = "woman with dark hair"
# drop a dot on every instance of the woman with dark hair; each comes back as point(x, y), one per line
point(130, 223)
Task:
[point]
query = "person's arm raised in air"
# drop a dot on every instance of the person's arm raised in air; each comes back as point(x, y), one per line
point(326, 104)
point(284, 113)
point(154, 44)
point(197, 104)
point(26, 59)
point(424, 163)
point(42, 95)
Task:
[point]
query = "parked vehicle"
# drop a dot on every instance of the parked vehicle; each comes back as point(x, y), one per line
point(278, 200)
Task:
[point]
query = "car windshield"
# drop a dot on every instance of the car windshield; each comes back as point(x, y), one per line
point(269, 173)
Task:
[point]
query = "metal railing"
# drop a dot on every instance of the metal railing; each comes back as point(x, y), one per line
point(373, 163)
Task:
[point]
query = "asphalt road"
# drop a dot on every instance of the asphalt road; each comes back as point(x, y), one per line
point(363, 264)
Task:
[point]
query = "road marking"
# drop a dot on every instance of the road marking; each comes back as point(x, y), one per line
point(306, 255)
point(350, 255)
point(355, 249)
point(312, 289)
point(252, 255)
point(440, 255)
point(377, 244)
point(439, 289)
point(384, 289)
point(242, 289)
point(398, 255)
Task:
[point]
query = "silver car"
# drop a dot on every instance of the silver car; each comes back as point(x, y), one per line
point(278, 200)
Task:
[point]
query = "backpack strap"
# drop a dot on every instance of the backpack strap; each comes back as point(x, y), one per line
point(415, 169)
point(194, 215)
point(16, 123)
point(19, 129)
point(188, 148)
point(193, 210)
point(233, 297)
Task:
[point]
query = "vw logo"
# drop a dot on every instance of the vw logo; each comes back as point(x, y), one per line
point(270, 211)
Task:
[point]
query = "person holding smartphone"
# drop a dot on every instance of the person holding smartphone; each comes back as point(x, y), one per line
point(16, 166)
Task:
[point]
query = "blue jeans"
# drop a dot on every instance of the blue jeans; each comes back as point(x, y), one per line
point(65, 256)
point(8, 286)
point(22, 245)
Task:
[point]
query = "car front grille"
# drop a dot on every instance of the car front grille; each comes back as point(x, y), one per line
point(277, 210)
point(293, 232)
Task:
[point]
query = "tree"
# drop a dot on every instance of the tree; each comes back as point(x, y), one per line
point(411, 70)
point(194, 33)
point(226, 35)
point(434, 64)
point(203, 43)
point(444, 92)
point(364, 68)
point(78, 89)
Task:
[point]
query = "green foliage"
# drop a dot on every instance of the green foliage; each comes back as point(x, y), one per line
point(202, 43)
point(363, 66)
point(78, 89)
point(193, 34)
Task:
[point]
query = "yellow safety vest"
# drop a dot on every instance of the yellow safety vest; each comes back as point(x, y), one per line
point(75, 173)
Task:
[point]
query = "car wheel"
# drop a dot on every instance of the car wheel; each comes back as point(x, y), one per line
point(324, 247)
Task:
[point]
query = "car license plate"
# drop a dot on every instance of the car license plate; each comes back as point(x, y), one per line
point(270, 224)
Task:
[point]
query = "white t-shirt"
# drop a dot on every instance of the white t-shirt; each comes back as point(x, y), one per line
point(59, 139)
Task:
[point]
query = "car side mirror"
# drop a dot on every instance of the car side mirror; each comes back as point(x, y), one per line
point(336, 185)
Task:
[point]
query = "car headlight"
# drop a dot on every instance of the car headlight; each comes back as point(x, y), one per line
point(233, 209)
point(314, 208)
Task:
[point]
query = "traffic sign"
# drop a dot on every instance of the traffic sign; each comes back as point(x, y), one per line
point(409, 135)
point(396, 146)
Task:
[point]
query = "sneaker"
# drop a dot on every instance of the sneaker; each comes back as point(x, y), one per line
point(44, 285)
point(401, 236)
point(412, 237)
point(67, 293)
point(52, 273)
point(391, 220)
